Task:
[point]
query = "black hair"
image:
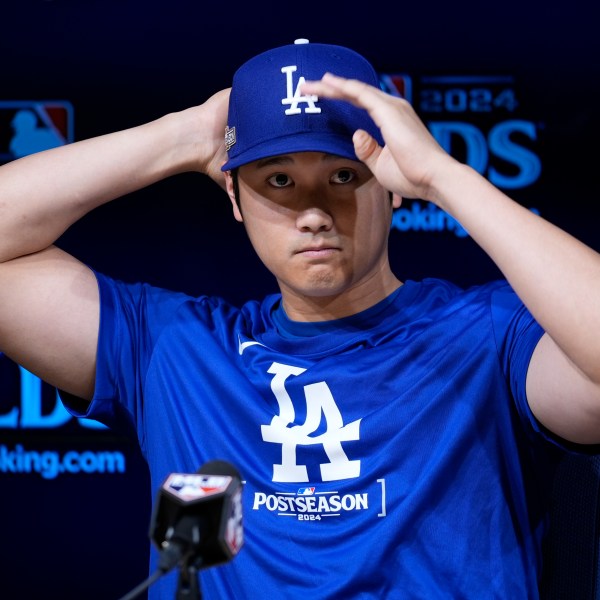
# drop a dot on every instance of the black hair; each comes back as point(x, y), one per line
point(236, 186)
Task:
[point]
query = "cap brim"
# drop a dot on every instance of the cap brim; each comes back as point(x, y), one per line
point(330, 143)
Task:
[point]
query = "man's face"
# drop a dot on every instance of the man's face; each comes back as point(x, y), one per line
point(319, 222)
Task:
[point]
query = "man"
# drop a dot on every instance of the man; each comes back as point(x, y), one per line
point(397, 439)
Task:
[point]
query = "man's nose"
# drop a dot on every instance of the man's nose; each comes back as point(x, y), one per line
point(314, 219)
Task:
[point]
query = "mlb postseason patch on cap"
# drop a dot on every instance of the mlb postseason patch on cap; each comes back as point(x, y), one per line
point(268, 116)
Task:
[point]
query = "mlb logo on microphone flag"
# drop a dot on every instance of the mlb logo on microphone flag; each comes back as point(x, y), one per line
point(30, 126)
point(193, 486)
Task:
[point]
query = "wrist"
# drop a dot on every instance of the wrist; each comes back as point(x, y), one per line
point(193, 140)
point(175, 137)
point(449, 177)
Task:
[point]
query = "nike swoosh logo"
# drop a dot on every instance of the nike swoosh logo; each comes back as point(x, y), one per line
point(243, 345)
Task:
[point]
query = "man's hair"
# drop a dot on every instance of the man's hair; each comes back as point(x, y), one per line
point(236, 186)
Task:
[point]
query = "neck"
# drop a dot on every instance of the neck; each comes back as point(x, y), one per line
point(299, 306)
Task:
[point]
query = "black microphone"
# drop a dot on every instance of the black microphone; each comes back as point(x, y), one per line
point(197, 518)
point(196, 523)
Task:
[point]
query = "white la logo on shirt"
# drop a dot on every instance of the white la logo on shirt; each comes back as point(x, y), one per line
point(294, 97)
point(319, 401)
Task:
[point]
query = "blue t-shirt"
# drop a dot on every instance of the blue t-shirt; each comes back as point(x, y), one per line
point(391, 454)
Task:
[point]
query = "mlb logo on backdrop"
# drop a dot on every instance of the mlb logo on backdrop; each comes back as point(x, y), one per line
point(398, 84)
point(29, 126)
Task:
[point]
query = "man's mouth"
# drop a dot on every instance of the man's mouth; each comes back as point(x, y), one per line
point(318, 250)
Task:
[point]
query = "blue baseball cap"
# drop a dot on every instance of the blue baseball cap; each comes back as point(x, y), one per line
point(268, 116)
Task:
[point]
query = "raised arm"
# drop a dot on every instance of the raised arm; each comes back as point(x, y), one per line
point(555, 275)
point(49, 305)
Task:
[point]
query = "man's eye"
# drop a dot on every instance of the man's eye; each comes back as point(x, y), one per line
point(343, 176)
point(280, 180)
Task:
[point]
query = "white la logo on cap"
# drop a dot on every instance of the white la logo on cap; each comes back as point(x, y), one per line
point(294, 97)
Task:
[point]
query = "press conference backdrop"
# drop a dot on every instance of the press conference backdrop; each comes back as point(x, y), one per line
point(512, 89)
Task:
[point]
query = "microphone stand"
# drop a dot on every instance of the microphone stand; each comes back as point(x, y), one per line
point(188, 586)
point(142, 587)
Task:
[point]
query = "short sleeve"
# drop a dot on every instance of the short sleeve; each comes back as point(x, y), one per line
point(517, 334)
point(132, 318)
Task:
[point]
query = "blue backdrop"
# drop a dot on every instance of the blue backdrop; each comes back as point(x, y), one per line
point(512, 88)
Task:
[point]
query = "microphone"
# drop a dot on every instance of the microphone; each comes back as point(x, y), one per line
point(196, 523)
point(197, 518)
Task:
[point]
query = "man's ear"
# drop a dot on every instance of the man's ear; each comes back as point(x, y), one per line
point(231, 192)
point(396, 201)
